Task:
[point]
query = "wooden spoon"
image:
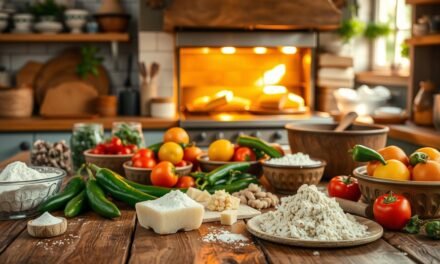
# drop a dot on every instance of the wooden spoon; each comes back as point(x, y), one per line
point(346, 121)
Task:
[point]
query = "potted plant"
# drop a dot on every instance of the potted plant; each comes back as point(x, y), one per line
point(47, 10)
point(90, 62)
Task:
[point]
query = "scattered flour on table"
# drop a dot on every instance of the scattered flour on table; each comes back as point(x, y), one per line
point(311, 215)
point(51, 244)
point(226, 237)
point(19, 171)
point(46, 219)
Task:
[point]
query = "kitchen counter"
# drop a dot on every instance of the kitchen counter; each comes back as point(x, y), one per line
point(66, 124)
point(92, 239)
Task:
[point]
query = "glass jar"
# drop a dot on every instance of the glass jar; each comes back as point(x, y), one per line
point(424, 104)
point(129, 133)
point(84, 136)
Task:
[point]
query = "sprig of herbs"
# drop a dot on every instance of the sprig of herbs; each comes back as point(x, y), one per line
point(90, 62)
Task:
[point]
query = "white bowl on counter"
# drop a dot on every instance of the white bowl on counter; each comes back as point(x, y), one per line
point(20, 199)
point(48, 27)
point(76, 19)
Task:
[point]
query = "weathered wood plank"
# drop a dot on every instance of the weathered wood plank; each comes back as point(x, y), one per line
point(188, 247)
point(89, 239)
point(377, 252)
point(420, 248)
point(9, 230)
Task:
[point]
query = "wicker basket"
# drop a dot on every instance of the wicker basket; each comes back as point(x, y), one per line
point(423, 196)
point(111, 162)
point(142, 175)
point(288, 179)
point(16, 102)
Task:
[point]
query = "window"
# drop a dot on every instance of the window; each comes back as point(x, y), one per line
point(387, 50)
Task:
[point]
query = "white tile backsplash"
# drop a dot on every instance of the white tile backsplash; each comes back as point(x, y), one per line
point(165, 59)
point(165, 41)
point(147, 41)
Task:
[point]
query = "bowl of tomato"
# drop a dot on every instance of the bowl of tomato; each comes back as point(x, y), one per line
point(140, 172)
point(207, 165)
point(424, 196)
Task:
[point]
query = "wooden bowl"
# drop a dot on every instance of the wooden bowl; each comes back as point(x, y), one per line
point(207, 165)
point(287, 178)
point(142, 175)
point(111, 162)
point(423, 196)
point(112, 22)
point(320, 141)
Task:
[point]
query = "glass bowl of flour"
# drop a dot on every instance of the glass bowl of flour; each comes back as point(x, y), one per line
point(23, 188)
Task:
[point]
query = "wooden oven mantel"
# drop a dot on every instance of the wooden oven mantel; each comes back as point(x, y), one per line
point(252, 14)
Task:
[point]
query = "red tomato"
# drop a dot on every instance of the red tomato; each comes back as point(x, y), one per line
point(148, 153)
point(185, 182)
point(181, 163)
point(133, 148)
point(191, 153)
point(163, 174)
point(124, 151)
point(244, 154)
point(144, 162)
point(97, 150)
point(115, 141)
point(344, 187)
point(392, 211)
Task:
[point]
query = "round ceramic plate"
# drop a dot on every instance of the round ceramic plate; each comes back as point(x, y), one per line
point(375, 231)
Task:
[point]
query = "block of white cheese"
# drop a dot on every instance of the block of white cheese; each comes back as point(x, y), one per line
point(228, 217)
point(172, 212)
point(198, 195)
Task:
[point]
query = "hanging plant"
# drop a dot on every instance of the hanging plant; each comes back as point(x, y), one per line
point(90, 62)
point(376, 30)
point(350, 28)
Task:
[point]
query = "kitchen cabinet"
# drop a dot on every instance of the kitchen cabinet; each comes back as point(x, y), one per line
point(10, 144)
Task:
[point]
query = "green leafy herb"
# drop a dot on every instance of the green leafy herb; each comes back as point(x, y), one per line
point(414, 225)
point(90, 62)
point(129, 135)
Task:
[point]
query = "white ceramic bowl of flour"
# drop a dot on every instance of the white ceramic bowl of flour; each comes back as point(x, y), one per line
point(23, 189)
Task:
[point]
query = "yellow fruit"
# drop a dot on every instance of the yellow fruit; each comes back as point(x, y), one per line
point(393, 170)
point(221, 150)
point(432, 153)
point(171, 152)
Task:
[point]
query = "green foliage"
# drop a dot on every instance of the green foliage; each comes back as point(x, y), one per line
point(46, 8)
point(376, 30)
point(404, 50)
point(350, 28)
point(90, 62)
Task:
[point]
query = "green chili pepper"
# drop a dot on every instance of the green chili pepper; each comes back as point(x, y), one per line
point(234, 186)
point(223, 171)
point(155, 147)
point(258, 144)
point(418, 157)
point(150, 189)
point(119, 189)
point(97, 200)
point(75, 206)
point(59, 201)
point(361, 153)
point(432, 229)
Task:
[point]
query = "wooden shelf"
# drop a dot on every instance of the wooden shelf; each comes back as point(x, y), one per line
point(382, 78)
point(65, 37)
point(42, 124)
point(433, 39)
point(422, 2)
point(418, 135)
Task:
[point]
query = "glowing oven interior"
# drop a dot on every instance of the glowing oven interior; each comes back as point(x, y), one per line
point(231, 79)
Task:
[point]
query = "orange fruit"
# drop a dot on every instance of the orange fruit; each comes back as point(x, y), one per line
point(432, 153)
point(371, 166)
point(393, 152)
point(177, 135)
point(393, 170)
point(429, 171)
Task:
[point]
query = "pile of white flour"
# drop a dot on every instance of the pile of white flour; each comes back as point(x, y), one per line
point(311, 215)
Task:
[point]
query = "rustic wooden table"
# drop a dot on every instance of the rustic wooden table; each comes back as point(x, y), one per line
point(92, 239)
